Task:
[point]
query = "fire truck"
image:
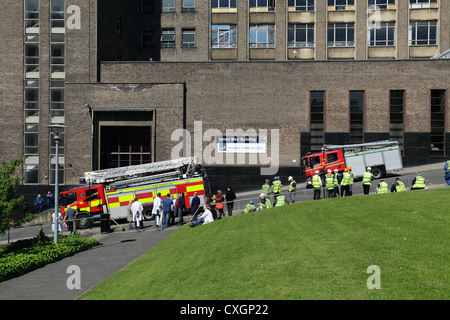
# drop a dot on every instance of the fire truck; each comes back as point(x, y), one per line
point(382, 156)
point(110, 190)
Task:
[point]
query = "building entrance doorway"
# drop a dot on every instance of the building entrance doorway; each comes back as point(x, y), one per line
point(122, 146)
point(123, 138)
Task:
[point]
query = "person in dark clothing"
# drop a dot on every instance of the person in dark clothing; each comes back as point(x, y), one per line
point(180, 208)
point(195, 203)
point(70, 217)
point(229, 198)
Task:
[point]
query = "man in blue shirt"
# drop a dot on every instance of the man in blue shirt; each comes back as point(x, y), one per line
point(167, 205)
point(195, 203)
point(180, 208)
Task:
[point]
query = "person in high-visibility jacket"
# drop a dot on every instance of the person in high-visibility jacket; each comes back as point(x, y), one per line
point(367, 179)
point(383, 187)
point(336, 180)
point(276, 186)
point(351, 180)
point(329, 184)
point(398, 186)
point(447, 172)
point(264, 202)
point(266, 188)
point(345, 183)
point(292, 188)
point(418, 183)
point(250, 207)
point(280, 200)
point(317, 185)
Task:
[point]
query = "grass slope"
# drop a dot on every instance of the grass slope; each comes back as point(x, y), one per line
point(309, 250)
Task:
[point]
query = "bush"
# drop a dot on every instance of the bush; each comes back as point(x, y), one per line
point(23, 256)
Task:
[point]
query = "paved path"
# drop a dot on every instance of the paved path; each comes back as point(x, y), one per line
point(118, 249)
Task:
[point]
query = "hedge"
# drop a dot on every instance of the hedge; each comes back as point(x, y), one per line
point(24, 256)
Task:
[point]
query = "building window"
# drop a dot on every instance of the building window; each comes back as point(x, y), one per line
point(148, 6)
point(168, 38)
point(168, 5)
point(31, 169)
point(31, 92)
point(341, 4)
point(118, 25)
point(383, 35)
point(31, 57)
point(147, 38)
point(422, 33)
point(262, 36)
point(223, 3)
point(317, 107)
point(31, 16)
point(438, 104)
point(397, 105)
point(188, 38)
point(223, 36)
point(57, 16)
point(57, 98)
point(341, 34)
point(268, 4)
point(122, 146)
point(419, 4)
point(381, 4)
point(188, 6)
point(356, 117)
point(31, 102)
point(60, 161)
point(301, 5)
point(301, 35)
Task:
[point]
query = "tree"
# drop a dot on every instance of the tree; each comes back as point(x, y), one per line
point(8, 198)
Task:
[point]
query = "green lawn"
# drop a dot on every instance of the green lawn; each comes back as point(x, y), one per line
point(309, 250)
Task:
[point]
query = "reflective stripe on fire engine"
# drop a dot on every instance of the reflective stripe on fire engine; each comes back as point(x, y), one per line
point(329, 165)
point(121, 198)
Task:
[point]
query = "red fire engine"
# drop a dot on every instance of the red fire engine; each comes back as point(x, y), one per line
point(110, 190)
point(382, 156)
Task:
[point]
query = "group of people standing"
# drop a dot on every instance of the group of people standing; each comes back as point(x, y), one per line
point(39, 202)
point(332, 183)
point(164, 211)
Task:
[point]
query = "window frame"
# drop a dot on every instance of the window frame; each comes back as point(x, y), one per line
point(226, 29)
point(388, 27)
point(349, 26)
point(188, 44)
point(414, 32)
point(219, 4)
point(168, 38)
point(267, 31)
point(168, 7)
point(294, 27)
point(302, 7)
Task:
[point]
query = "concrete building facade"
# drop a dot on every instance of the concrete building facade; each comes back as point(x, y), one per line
point(141, 81)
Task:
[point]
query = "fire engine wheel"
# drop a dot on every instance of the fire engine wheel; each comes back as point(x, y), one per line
point(84, 221)
point(148, 213)
point(377, 172)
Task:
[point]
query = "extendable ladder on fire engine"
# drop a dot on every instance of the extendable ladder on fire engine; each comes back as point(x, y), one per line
point(135, 172)
point(369, 145)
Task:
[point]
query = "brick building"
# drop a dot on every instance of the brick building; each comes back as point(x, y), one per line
point(131, 79)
